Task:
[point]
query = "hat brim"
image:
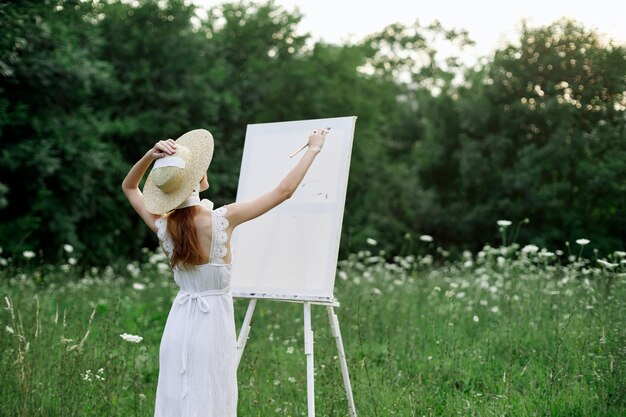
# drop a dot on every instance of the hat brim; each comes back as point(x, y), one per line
point(200, 143)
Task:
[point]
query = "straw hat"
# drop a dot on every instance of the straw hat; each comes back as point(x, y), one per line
point(173, 177)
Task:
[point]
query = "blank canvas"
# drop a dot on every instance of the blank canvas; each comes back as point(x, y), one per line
point(291, 251)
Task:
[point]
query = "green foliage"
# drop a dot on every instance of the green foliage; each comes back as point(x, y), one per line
point(87, 87)
point(55, 166)
point(536, 133)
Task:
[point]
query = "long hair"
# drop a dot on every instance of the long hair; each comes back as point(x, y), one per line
point(187, 250)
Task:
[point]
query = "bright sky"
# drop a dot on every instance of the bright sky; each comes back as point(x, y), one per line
point(489, 23)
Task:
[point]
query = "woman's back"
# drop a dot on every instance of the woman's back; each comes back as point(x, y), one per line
point(213, 232)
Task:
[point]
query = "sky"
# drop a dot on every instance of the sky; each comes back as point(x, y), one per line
point(489, 23)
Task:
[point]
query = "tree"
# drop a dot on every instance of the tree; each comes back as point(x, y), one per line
point(538, 132)
point(52, 164)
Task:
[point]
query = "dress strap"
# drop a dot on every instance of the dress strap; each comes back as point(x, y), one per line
point(219, 225)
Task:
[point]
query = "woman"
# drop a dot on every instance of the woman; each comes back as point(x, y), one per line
point(198, 351)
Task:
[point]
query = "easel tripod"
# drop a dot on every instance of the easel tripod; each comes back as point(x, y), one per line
point(308, 348)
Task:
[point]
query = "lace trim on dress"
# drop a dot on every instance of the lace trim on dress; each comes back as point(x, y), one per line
point(168, 245)
point(218, 245)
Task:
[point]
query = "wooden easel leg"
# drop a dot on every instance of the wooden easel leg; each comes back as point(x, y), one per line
point(334, 325)
point(245, 330)
point(308, 351)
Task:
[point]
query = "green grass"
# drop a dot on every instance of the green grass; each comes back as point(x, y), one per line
point(520, 336)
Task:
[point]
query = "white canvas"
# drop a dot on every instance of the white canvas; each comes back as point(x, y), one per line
point(290, 252)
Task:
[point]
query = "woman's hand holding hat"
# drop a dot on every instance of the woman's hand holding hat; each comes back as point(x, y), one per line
point(163, 148)
point(178, 167)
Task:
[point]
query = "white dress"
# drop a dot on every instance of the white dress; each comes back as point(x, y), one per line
point(198, 352)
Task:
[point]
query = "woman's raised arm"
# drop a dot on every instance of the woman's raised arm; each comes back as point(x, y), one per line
point(130, 185)
point(243, 211)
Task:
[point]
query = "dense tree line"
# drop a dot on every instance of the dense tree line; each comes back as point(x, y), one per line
point(86, 87)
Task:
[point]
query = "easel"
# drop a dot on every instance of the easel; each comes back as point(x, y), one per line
point(327, 183)
point(308, 346)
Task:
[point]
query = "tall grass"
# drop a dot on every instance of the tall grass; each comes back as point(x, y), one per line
point(508, 331)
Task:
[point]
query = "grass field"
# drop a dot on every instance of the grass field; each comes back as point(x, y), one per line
point(508, 331)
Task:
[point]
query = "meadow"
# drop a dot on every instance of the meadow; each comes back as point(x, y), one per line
point(512, 330)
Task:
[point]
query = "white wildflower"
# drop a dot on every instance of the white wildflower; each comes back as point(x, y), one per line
point(495, 309)
point(156, 257)
point(607, 265)
point(131, 337)
point(582, 242)
point(28, 254)
point(87, 375)
point(133, 269)
point(290, 349)
point(476, 319)
point(343, 275)
point(68, 248)
point(504, 223)
point(376, 291)
point(291, 379)
point(427, 260)
point(71, 261)
point(426, 238)
point(530, 249)
point(371, 241)
point(138, 286)
point(10, 329)
point(163, 267)
point(618, 253)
